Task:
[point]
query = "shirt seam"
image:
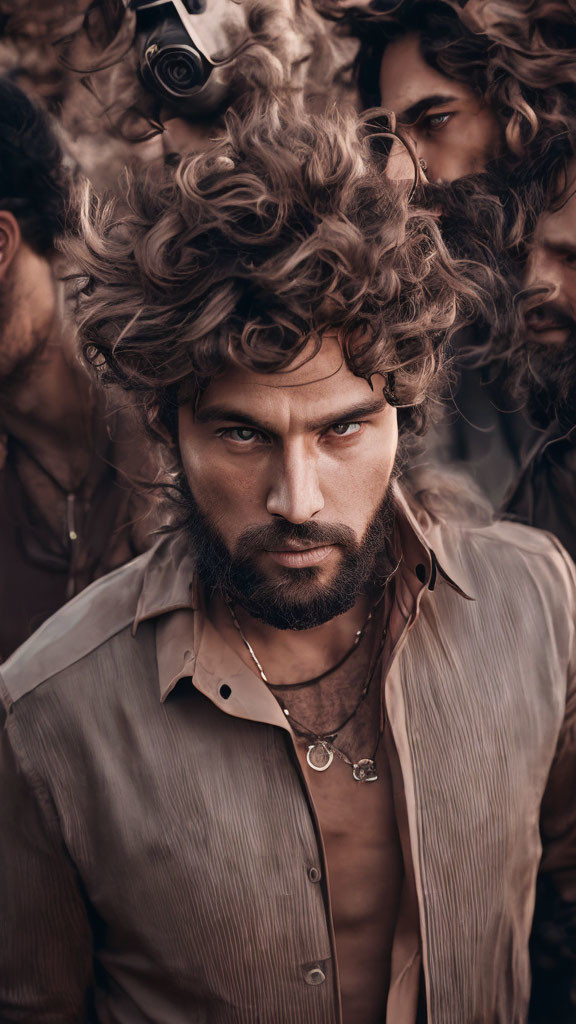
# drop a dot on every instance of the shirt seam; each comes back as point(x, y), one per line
point(33, 777)
point(11, 701)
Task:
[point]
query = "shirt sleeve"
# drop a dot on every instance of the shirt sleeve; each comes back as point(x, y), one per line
point(45, 952)
point(554, 934)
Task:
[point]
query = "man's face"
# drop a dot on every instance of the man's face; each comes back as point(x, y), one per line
point(453, 131)
point(29, 309)
point(289, 475)
point(551, 326)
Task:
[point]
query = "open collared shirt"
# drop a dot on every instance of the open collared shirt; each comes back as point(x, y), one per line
point(160, 858)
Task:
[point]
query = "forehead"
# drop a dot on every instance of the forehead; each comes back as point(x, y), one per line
point(322, 384)
point(558, 226)
point(406, 78)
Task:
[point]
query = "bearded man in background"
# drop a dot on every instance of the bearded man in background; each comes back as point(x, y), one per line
point(470, 85)
point(482, 91)
point(544, 361)
point(68, 512)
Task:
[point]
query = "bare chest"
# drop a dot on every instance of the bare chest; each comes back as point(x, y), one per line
point(363, 856)
point(365, 873)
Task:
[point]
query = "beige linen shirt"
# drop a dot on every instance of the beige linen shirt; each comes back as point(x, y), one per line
point(160, 857)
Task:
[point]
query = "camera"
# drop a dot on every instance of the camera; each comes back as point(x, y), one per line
point(180, 45)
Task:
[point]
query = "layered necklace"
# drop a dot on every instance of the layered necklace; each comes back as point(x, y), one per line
point(321, 746)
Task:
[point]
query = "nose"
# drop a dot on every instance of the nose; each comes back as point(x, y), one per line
point(400, 166)
point(542, 268)
point(295, 492)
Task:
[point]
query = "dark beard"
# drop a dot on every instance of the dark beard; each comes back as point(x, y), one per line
point(478, 218)
point(549, 381)
point(19, 372)
point(291, 600)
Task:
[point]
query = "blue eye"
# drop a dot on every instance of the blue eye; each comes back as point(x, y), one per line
point(437, 120)
point(241, 434)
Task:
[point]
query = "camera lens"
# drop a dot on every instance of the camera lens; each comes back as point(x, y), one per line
point(171, 63)
point(178, 70)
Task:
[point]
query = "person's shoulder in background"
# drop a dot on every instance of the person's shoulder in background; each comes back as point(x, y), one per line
point(105, 614)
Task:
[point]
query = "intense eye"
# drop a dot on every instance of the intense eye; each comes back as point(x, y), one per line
point(437, 120)
point(241, 434)
point(345, 429)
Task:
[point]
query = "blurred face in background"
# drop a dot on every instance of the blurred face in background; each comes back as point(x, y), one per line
point(452, 130)
point(553, 263)
point(30, 301)
point(551, 326)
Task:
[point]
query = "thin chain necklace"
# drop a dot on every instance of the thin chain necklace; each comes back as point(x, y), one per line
point(321, 750)
point(71, 495)
point(315, 679)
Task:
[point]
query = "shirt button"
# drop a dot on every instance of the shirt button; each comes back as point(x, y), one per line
point(421, 572)
point(225, 691)
point(314, 874)
point(314, 976)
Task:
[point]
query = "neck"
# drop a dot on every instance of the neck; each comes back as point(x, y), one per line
point(50, 404)
point(290, 656)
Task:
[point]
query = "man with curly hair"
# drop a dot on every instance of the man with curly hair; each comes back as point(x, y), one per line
point(543, 361)
point(470, 83)
point(68, 512)
point(482, 91)
point(291, 765)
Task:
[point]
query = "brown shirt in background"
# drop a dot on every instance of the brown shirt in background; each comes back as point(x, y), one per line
point(545, 492)
point(41, 564)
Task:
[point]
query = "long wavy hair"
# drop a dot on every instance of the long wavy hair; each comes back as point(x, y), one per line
point(247, 252)
point(518, 55)
point(542, 376)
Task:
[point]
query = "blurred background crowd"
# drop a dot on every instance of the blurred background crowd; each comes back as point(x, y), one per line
point(473, 105)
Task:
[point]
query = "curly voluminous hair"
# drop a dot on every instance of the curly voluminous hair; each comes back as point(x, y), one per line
point(245, 253)
point(518, 55)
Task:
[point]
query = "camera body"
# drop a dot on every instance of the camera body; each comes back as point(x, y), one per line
point(181, 45)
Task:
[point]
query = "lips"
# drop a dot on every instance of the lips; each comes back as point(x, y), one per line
point(301, 557)
point(548, 322)
point(542, 326)
point(546, 327)
point(551, 332)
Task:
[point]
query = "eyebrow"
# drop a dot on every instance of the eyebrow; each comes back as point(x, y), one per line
point(411, 115)
point(219, 413)
point(558, 246)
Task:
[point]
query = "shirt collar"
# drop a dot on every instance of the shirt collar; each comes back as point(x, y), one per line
point(439, 543)
point(169, 581)
point(170, 593)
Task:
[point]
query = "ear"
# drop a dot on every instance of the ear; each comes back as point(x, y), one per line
point(10, 240)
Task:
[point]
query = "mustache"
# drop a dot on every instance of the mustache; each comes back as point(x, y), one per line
point(274, 536)
point(549, 315)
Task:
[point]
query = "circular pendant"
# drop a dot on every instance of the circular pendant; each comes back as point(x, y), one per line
point(365, 770)
point(319, 756)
